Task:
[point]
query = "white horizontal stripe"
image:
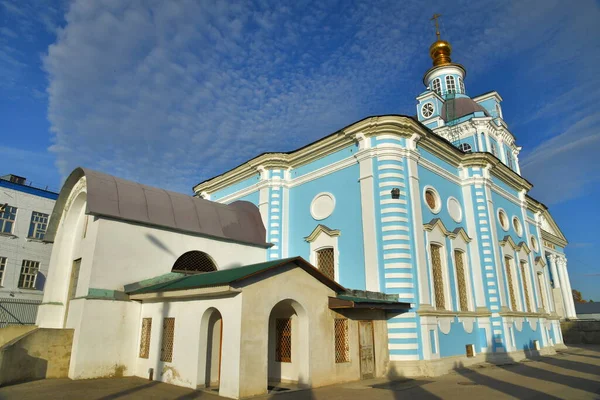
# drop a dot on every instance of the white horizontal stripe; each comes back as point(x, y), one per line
point(394, 219)
point(487, 252)
point(403, 357)
point(493, 299)
point(393, 209)
point(497, 332)
point(395, 237)
point(274, 216)
point(491, 283)
point(405, 296)
point(484, 229)
point(396, 246)
point(489, 268)
point(485, 244)
point(483, 222)
point(391, 183)
point(396, 255)
point(481, 207)
point(402, 335)
point(485, 237)
point(275, 202)
point(390, 166)
point(480, 200)
point(402, 325)
point(399, 285)
point(478, 186)
point(495, 308)
point(397, 266)
point(390, 145)
point(488, 275)
point(496, 323)
point(392, 201)
point(392, 275)
point(275, 195)
point(487, 259)
point(274, 224)
point(391, 175)
point(274, 210)
point(476, 168)
point(276, 188)
point(492, 291)
point(394, 228)
point(403, 346)
point(481, 215)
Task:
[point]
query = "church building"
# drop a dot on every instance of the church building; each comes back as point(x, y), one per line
point(395, 246)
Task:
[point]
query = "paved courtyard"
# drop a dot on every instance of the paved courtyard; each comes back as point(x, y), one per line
point(571, 374)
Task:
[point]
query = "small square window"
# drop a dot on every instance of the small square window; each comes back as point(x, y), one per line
point(38, 225)
point(7, 219)
point(29, 271)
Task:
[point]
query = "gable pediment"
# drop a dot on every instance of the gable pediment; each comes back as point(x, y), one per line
point(322, 229)
point(437, 223)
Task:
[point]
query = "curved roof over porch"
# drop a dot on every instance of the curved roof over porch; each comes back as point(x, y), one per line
point(117, 198)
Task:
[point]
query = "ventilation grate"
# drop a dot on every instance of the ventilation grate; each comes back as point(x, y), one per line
point(166, 350)
point(325, 262)
point(194, 262)
point(342, 348)
point(283, 347)
point(145, 339)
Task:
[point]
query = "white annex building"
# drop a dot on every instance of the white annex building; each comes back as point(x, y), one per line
point(395, 246)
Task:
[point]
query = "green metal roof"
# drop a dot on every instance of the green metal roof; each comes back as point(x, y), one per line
point(229, 276)
point(364, 299)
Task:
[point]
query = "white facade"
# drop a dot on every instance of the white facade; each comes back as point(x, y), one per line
point(16, 244)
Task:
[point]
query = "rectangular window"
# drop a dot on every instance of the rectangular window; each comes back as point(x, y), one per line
point(145, 338)
point(509, 161)
point(342, 347)
point(461, 86)
point(2, 268)
point(38, 225)
point(494, 150)
point(438, 279)
point(540, 278)
point(511, 286)
point(74, 279)
point(7, 219)
point(29, 271)
point(283, 340)
point(325, 262)
point(168, 334)
point(525, 286)
point(462, 280)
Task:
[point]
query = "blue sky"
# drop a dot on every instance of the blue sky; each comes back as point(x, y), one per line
point(171, 93)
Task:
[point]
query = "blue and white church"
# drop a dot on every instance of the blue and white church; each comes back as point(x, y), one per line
point(395, 246)
point(430, 208)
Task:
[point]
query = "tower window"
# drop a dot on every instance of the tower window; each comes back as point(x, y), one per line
point(437, 86)
point(461, 86)
point(466, 147)
point(450, 84)
point(494, 150)
point(509, 160)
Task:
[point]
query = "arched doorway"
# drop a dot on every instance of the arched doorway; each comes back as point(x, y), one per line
point(211, 344)
point(288, 344)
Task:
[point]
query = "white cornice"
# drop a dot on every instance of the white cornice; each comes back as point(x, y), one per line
point(495, 95)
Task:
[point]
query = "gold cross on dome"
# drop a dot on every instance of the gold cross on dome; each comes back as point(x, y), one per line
point(437, 26)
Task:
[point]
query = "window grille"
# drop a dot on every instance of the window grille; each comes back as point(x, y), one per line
point(2, 268)
point(29, 271)
point(194, 262)
point(38, 225)
point(437, 86)
point(462, 281)
point(466, 147)
point(540, 277)
point(450, 84)
point(511, 289)
point(438, 280)
point(431, 199)
point(325, 262)
point(7, 219)
point(145, 339)
point(283, 344)
point(342, 346)
point(525, 287)
point(166, 350)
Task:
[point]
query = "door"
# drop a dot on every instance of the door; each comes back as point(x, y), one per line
point(367, 349)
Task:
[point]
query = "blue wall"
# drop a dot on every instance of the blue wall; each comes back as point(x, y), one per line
point(454, 343)
point(346, 217)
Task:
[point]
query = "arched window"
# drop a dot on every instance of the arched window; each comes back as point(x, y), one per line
point(450, 84)
point(511, 283)
point(438, 276)
point(437, 86)
point(466, 147)
point(524, 268)
point(194, 262)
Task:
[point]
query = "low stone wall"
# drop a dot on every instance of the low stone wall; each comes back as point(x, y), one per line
point(581, 332)
point(38, 354)
point(14, 331)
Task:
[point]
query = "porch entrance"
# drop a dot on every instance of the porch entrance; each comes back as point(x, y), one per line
point(366, 349)
point(211, 344)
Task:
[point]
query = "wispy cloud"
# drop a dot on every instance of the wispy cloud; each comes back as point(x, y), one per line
point(170, 93)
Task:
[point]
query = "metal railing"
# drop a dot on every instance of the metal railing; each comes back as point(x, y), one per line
point(18, 311)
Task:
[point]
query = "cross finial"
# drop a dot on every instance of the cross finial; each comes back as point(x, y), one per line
point(437, 26)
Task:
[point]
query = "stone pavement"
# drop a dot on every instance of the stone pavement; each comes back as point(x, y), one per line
point(571, 374)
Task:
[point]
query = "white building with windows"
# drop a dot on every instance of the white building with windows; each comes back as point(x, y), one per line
point(24, 256)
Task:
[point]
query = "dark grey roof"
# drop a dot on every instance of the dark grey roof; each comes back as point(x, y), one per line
point(463, 106)
point(118, 198)
point(587, 308)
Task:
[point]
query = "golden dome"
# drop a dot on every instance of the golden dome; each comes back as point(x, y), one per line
point(440, 52)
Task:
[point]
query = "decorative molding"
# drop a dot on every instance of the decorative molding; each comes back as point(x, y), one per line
point(436, 222)
point(322, 229)
point(517, 247)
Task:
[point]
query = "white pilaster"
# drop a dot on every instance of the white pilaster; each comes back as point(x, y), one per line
point(569, 302)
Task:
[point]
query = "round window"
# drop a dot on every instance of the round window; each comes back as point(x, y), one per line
point(454, 209)
point(432, 199)
point(503, 219)
point(517, 225)
point(427, 110)
point(534, 243)
point(322, 206)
